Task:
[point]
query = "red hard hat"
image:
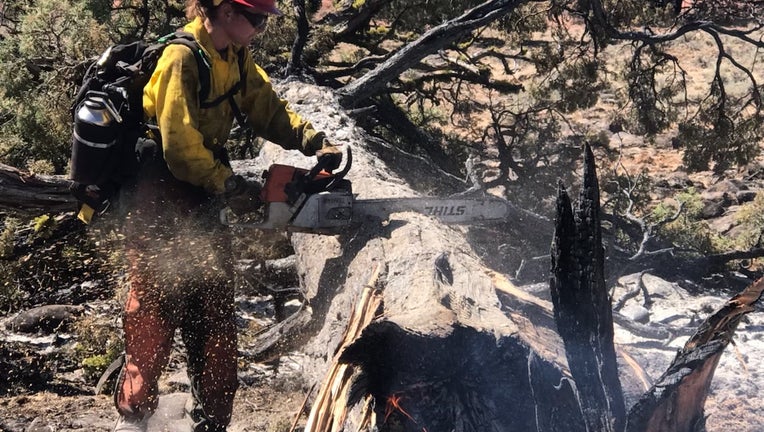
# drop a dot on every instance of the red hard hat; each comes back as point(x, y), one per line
point(268, 6)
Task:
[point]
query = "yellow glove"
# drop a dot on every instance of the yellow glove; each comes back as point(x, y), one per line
point(330, 156)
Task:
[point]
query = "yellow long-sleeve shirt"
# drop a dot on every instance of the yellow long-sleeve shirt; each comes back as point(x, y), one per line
point(191, 135)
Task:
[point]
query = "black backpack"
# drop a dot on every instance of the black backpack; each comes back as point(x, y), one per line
point(109, 121)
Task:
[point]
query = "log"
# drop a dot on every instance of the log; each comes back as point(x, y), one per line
point(446, 353)
point(26, 194)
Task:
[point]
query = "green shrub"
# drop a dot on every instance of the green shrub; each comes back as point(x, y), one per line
point(8, 237)
point(99, 343)
point(688, 231)
point(751, 220)
point(38, 71)
point(43, 226)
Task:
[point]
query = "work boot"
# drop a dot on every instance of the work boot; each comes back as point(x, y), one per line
point(131, 424)
point(198, 420)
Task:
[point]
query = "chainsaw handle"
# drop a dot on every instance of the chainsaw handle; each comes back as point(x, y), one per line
point(321, 166)
point(313, 182)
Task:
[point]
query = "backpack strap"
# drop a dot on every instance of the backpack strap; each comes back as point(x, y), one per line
point(241, 85)
point(241, 118)
point(236, 88)
point(202, 62)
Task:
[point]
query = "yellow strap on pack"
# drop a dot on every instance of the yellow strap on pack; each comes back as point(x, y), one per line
point(86, 213)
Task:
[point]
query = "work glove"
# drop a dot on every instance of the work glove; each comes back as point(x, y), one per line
point(242, 196)
point(330, 155)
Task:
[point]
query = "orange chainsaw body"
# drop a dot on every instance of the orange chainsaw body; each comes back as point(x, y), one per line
point(278, 177)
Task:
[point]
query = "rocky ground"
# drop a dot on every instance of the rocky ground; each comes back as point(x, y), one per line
point(271, 395)
point(52, 392)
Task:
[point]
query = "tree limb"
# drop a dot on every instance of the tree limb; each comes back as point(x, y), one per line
point(435, 39)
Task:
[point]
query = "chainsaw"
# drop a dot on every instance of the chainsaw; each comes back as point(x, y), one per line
point(320, 202)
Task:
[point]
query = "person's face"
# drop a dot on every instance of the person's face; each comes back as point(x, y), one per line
point(245, 23)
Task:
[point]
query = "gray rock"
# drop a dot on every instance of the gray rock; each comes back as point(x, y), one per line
point(676, 180)
point(730, 186)
point(39, 425)
point(724, 199)
point(745, 196)
point(46, 319)
point(636, 313)
point(711, 210)
point(724, 223)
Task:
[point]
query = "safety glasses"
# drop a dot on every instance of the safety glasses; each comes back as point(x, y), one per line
point(257, 20)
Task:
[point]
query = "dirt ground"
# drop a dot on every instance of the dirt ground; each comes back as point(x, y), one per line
point(257, 408)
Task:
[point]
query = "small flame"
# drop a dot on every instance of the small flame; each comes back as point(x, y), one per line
point(393, 404)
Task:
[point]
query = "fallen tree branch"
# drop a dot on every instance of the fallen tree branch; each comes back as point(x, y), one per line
point(29, 194)
point(633, 293)
point(430, 42)
point(675, 402)
point(353, 18)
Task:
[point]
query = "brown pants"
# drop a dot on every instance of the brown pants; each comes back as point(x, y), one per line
point(180, 277)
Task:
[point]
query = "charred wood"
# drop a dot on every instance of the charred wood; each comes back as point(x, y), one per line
point(467, 381)
point(582, 306)
point(295, 65)
point(675, 403)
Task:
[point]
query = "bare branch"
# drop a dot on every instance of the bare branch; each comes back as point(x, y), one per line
point(432, 41)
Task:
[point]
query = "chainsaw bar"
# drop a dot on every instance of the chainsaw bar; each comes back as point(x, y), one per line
point(313, 201)
point(334, 212)
point(447, 210)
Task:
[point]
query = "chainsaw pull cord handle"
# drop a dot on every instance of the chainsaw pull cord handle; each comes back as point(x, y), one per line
point(341, 175)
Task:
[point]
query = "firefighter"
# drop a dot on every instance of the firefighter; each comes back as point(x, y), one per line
point(180, 262)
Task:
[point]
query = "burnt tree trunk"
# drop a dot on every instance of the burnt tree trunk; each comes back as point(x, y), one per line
point(295, 65)
point(582, 307)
